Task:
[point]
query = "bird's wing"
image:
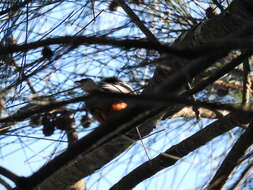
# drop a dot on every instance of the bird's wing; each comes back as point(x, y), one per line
point(117, 88)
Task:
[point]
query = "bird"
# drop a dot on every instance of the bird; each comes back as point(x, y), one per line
point(102, 110)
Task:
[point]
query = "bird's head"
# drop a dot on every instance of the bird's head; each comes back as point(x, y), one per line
point(87, 84)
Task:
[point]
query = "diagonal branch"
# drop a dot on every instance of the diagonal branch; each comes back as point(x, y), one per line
point(180, 150)
point(137, 21)
point(242, 178)
point(218, 74)
point(5, 184)
point(246, 83)
point(11, 176)
point(232, 159)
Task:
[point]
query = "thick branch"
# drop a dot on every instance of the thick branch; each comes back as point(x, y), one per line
point(180, 150)
point(71, 131)
point(232, 160)
point(233, 42)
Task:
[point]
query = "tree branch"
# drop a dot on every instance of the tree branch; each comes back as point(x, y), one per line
point(180, 150)
point(247, 171)
point(137, 21)
point(5, 184)
point(11, 176)
point(232, 159)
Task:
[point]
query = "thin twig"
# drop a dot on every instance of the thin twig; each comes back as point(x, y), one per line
point(39, 138)
point(143, 145)
point(219, 5)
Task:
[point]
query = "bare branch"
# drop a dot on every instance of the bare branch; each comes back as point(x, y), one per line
point(180, 150)
point(137, 21)
point(232, 159)
point(10, 175)
point(239, 182)
point(5, 184)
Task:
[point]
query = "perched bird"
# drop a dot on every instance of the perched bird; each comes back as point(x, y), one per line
point(102, 110)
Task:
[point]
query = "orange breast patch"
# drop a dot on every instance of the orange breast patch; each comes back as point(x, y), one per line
point(117, 106)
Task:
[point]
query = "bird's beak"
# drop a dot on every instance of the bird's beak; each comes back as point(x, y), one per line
point(78, 81)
